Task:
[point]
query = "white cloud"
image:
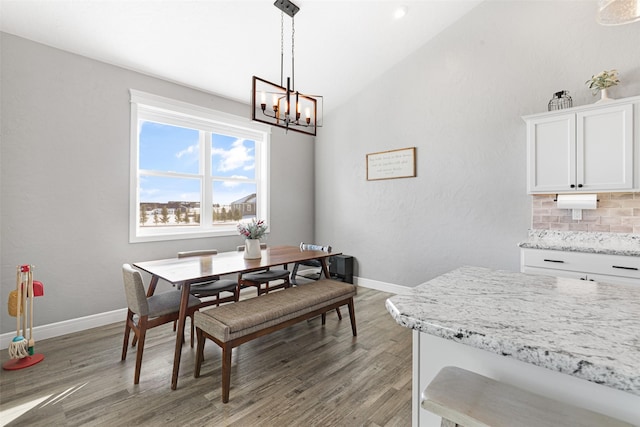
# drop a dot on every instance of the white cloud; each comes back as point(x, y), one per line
point(188, 197)
point(149, 191)
point(237, 157)
point(190, 150)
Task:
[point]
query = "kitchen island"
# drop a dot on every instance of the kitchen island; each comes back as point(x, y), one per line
point(574, 341)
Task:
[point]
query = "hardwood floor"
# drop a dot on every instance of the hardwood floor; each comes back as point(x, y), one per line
point(304, 375)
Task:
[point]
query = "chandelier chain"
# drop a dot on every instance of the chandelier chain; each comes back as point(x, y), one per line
point(290, 109)
point(281, 47)
point(293, 68)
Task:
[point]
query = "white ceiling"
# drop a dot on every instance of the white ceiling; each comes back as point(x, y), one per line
point(217, 46)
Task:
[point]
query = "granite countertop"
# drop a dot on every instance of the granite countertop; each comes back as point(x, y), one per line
point(586, 329)
point(581, 241)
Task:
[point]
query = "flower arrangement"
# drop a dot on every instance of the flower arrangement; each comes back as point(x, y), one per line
point(603, 80)
point(253, 230)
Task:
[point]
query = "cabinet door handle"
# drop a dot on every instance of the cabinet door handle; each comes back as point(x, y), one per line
point(573, 186)
point(623, 267)
point(554, 260)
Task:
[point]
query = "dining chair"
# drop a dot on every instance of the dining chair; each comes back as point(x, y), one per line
point(209, 291)
point(263, 277)
point(214, 287)
point(312, 263)
point(309, 263)
point(145, 312)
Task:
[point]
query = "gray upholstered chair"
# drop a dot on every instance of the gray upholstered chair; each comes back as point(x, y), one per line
point(309, 263)
point(264, 277)
point(144, 312)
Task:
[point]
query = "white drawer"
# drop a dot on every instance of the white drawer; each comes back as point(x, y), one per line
point(613, 265)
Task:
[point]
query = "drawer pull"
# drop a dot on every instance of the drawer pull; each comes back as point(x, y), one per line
point(624, 268)
point(554, 260)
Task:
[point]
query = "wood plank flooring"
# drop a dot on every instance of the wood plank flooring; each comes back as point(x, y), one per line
point(304, 375)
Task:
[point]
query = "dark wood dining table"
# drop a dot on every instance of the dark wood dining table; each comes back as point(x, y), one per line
point(185, 271)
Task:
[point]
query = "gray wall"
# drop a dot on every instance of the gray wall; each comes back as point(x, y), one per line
point(459, 99)
point(65, 179)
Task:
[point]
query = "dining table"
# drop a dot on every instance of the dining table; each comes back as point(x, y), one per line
point(182, 272)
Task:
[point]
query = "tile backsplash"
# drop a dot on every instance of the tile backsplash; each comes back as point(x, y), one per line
point(616, 213)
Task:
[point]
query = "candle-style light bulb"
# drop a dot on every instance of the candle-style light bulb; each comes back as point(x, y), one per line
point(307, 113)
point(263, 101)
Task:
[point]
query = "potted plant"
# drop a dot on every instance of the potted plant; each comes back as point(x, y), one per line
point(601, 82)
point(252, 231)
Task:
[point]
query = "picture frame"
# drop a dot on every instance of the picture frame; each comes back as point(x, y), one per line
point(391, 164)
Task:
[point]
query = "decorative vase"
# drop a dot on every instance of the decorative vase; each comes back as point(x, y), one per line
point(252, 249)
point(604, 96)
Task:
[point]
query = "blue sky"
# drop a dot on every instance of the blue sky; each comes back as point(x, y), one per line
point(169, 148)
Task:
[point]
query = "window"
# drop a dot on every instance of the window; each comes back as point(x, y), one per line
point(195, 172)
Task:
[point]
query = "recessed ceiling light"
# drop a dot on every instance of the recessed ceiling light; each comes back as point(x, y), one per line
point(400, 12)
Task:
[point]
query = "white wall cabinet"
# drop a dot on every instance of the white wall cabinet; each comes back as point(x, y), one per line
point(616, 269)
point(585, 149)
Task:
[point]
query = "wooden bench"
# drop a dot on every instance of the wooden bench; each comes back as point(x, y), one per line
point(234, 324)
point(464, 398)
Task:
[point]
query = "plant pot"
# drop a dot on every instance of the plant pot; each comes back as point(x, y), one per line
point(604, 96)
point(252, 249)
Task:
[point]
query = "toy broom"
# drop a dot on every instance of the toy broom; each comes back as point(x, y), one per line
point(21, 350)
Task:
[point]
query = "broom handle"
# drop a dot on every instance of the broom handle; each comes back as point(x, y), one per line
point(24, 298)
point(30, 295)
point(19, 301)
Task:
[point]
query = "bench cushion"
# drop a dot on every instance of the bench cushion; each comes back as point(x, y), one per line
point(232, 321)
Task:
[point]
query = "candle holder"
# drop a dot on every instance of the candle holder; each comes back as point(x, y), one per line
point(560, 101)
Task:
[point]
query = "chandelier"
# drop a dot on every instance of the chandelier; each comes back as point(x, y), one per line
point(280, 105)
point(618, 12)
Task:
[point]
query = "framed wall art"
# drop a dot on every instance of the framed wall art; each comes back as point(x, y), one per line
point(392, 164)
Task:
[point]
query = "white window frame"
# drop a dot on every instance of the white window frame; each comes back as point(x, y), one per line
point(149, 107)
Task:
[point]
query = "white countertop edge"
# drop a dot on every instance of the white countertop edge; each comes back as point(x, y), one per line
point(621, 376)
point(625, 244)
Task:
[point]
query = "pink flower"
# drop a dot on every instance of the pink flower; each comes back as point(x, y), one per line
point(252, 230)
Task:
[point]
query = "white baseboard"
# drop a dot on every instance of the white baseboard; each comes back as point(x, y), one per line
point(368, 283)
point(382, 286)
point(65, 327)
